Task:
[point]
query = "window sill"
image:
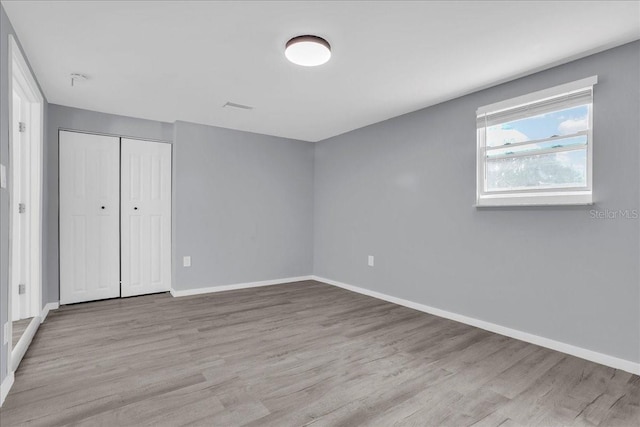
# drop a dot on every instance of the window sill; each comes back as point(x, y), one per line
point(541, 199)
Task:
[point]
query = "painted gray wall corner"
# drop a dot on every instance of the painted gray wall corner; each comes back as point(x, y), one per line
point(253, 192)
point(88, 121)
point(288, 249)
point(403, 189)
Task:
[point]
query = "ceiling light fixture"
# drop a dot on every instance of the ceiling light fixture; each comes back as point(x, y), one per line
point(308, 51)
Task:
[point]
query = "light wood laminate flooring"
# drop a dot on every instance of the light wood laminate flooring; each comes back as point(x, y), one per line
point(298, 354)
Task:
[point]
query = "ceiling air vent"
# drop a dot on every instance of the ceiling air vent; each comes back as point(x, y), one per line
point(234, 105)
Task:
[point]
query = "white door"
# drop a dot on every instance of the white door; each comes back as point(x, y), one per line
point(20, 225)
point(146, 217)
point(89, 217)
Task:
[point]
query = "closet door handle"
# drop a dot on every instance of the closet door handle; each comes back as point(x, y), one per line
point(135, 208)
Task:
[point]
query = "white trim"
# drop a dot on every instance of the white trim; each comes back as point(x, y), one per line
point(117, 135)
point(33, 326)
point(6, 386)
point(533, 197)
point(22, 345)
point(19, 69)
point(537, 96)
point(18, 352)
point(47, 308)
point(27, 336)
point(539, 141)
point(583, 353)
point(536, 199)
point(222, 288)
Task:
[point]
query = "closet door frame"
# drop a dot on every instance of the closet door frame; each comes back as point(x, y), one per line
point(121, 137)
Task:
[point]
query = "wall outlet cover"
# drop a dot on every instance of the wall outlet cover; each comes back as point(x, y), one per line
point(370, 261)
point(3, 176)
point(186, 261)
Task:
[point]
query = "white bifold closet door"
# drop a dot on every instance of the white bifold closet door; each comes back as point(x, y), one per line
point(89, 217)
point(146, 217)
point(115, 217)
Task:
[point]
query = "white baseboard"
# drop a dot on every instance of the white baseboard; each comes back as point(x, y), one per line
point(583, 353)
point(21, 347)
point(5, 387)
point(18, 352)
point(47, 308)
point(198, 291)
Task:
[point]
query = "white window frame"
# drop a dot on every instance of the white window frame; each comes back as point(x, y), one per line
point(535, 197)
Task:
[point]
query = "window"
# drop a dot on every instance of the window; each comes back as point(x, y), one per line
point(537, 149)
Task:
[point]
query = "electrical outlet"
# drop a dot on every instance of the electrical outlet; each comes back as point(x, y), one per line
point(6, 333)
point(186, 261)
point(370, 261)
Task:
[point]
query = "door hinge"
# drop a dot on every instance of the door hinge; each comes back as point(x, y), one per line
point(22, 288)
point(22, 208)
point(22, 126)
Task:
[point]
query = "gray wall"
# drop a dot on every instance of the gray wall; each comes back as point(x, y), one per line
point(402, 190)
point(243, 206)
point(5, 30)
point(242, 202)
point(87, 121)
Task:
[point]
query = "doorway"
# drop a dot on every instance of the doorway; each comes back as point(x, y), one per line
point(25, 198)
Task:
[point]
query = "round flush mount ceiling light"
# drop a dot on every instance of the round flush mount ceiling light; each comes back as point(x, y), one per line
point(308, 51)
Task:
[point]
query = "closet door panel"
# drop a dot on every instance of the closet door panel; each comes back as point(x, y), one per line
point(89, 217)
point(146, 217)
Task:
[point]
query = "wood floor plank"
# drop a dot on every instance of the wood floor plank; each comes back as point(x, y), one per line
point(298, 354)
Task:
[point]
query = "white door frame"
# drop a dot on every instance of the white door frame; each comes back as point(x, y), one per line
point(19, 72)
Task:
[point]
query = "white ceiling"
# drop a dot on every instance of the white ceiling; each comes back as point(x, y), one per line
point(170, 60)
